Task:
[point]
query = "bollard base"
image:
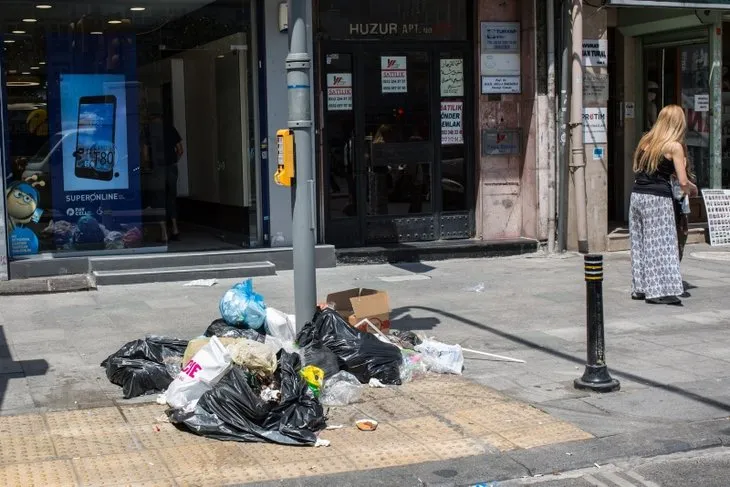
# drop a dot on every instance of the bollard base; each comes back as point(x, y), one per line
point(596, 378)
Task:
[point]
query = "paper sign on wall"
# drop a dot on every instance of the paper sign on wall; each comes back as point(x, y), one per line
point(393, 74)
point(702, 102)
point(452, 126)
point(339, 91)
point(500, 84)
point(629, 109)
point(595, 52)
point(452, 77)
point(500, 36)
point(595, 87)
point(595, 121)
point(499, 59)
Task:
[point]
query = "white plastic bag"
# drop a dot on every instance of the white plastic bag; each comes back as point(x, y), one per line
point(440, 357)
point(200, 374)
point(280, 325)
point(341, 389)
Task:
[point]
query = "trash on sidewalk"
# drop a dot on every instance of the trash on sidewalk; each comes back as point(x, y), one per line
point(376, 384)
point(221, 329)
point(200, 374)
point(412, 367)
point(341, 389)
point(366, 424)
point(202, 283)
point(314, 376)
point(145, 366)
point(257, 357)
point(196, 344)
point(479, 288)
point(361, 354)
point(494, 355)
point(280, 325)
point(355, 305)
point(440, 357)
point(317, 354)
point(241, 306)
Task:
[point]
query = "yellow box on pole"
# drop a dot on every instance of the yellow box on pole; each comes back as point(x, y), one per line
point(285, 157)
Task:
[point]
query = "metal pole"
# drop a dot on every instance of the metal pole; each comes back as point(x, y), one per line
point(562, 134)
point(577, 160)
point(596, 376)
point(552, 156)
point(298, 63)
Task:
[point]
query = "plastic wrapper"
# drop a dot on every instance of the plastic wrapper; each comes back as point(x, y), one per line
point(341, 389)
point(413, 366)
point(361, 354)
point(256, 357)
point(280, 325)
point(145, 366)
point(314, 377)
point(441, 358)
point(322, 357)
point(241, 306)
point(219, 328)
point(232, 410)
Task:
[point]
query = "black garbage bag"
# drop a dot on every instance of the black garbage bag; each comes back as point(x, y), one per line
point(319, 355)
point(219, 328)
point(233, 411)
point(145, 366)
point(361, 354)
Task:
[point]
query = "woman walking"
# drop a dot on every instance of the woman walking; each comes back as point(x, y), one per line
point(659, 156)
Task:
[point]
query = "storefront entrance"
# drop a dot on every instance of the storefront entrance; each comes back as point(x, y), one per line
point(396, 140)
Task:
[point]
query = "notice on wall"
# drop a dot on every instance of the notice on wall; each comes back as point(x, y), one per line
point(500, 64)
point(393, 74)
point(452, 77)
point(629, 109)
point(595, 121)
point(595, 87)
point(500, 36)
point(452, 122)
point(339, 91)
point(501, 142)
point(702, 102)
point(595, 52)
point(500, 84)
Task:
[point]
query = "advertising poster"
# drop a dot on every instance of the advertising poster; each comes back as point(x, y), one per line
point(595, 121)
point(393, 74)
point(452, 78)
point(452, 122)
point(339, 91)
point(95, 166)
point(499, 58)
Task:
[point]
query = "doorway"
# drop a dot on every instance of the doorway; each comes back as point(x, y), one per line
point(396, 151)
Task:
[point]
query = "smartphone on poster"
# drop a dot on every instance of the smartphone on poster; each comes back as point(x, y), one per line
point(95, 148)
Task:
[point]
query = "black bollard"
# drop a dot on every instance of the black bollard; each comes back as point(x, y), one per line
point(596, 376)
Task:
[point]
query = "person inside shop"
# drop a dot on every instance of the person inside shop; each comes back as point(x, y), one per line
point(660, 155)
point(161, 152)
point(651, 104)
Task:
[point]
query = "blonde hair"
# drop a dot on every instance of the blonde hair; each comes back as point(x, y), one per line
point(670, 127)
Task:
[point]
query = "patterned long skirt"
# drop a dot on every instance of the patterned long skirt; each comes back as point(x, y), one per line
point(654, 250)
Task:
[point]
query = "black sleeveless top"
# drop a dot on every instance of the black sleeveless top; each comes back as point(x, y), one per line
point(657, 183)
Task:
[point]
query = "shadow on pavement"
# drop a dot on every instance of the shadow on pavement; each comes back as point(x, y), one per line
point(581, 361)
point(409, 323)
point(10, 369)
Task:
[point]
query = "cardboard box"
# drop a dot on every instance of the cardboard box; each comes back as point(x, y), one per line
point(354, 305)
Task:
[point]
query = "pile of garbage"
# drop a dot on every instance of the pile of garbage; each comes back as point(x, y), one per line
point(252, 378)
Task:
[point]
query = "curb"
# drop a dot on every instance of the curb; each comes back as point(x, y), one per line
point(47, 285)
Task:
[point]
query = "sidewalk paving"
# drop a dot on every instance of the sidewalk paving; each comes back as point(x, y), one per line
point(672, 362)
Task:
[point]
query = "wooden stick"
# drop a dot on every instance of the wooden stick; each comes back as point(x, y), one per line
point(502, 357)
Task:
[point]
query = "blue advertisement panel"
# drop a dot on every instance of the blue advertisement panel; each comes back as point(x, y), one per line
point(94, 104)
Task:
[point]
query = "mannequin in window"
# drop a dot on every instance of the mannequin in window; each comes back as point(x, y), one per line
point(651, 104)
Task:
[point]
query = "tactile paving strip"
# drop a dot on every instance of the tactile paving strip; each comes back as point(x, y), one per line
point(220, 463)
point(450, 449)
point(428, 429)
point(308, 468)
point(27, 448)
point(403, 453)
point(440, 402)
point(124, 469)
point(146, 414)
point(85, 420)
point(545, 434)
point(38, 474)
point(166, 435)
point(83, 443)
point(393, 408)
point(28, 424)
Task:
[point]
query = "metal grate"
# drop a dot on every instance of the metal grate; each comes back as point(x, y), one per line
point(717, 204)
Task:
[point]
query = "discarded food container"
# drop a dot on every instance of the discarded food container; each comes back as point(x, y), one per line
point(366, 425)
point(355, 305)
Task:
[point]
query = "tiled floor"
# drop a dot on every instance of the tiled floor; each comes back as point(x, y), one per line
point(434, 418)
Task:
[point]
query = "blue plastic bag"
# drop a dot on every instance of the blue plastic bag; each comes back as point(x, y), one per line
point(240, 306)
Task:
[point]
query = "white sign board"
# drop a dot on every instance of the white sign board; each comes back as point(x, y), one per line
point(595, 121)
point(629, 109)
point(339, 91)
point(717, 205)
point(500, 36)
point(595, 52)
point(393, 74)
point(452, 77)
point(500, 85)
point(452, 122)
point(595, 87)
point(500, 64)
point(702, 102)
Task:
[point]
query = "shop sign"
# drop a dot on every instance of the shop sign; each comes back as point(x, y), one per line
point(452, 122)
point(595, 121)
point(595, 87)
point(452, 77)
point(501, 142)
point(501, 36)
point(704, 4)
point(500, 85)
point(393, 74)
point(339, 91)
point(595, 52)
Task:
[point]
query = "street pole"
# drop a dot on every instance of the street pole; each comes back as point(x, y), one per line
point(298, 63)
